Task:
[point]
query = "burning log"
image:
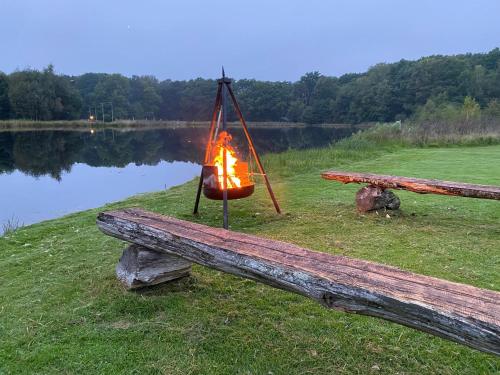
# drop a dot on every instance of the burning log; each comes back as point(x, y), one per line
point(238, 181)
point(212, 189)
point(457, 312)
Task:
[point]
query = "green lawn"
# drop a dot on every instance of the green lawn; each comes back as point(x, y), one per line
point(63, 311)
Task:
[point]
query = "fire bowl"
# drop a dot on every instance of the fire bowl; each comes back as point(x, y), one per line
point(234, 193)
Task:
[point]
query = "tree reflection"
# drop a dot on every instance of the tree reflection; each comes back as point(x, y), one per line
point(40, 153)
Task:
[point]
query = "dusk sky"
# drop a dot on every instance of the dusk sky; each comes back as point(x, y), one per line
point(266, 40)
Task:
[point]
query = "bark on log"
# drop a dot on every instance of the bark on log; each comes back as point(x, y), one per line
point(139, 267)
point(457, 312)
point(417, 185)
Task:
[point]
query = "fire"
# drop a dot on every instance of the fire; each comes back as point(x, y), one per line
point(236, 170)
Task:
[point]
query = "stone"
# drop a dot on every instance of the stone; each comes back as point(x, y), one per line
point(370, 198)
point(139, 267)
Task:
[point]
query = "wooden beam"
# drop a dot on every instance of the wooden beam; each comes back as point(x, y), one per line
point(417, 185)
point(457, 312)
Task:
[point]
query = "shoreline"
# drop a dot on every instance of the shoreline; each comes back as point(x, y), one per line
point(129, 125)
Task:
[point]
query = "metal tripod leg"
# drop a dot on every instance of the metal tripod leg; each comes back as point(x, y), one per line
point(209, 143)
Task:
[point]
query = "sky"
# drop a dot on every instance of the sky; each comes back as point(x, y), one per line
point(273, 40)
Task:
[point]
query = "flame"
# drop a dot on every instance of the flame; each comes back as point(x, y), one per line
point(222, 146)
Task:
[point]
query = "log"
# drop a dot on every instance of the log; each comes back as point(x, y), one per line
point(140, 267)
point(457, 312)
point(417, 185)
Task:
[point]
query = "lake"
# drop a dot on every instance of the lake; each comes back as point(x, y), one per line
point(48, 174)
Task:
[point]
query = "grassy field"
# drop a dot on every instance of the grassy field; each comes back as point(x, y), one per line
point(63, 311)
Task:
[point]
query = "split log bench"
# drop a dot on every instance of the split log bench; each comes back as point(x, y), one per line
point(457, 312)
point(376, 197)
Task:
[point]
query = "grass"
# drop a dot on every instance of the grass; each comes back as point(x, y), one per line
point(10, 226)
point(63, 311)
point(479, 132)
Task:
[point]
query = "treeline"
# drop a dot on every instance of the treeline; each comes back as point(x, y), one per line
point(386, 92)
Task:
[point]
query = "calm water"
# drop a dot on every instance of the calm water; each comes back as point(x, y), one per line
point(47, 174)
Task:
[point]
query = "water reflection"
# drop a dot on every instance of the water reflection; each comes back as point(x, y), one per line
point(46, 174)
point(39, 153)
point(30, 200)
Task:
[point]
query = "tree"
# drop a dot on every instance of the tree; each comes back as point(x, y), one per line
point(113, 88)
point(493, 109)
point(86, 85)
point(304, 88)
point(470, 108)
point(170, 92)
point(322, 101)
point(144, 98)
point(43, 95)
point(196, 99)
point(4, 97)
point(263, 101)
point(438, 109)
point(68, 102)
point(296, 111)
point(28, 99)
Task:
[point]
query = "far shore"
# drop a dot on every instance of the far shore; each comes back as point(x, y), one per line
point(127, 125)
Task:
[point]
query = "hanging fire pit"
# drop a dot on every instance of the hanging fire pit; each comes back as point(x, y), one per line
point(224, 174)
point(239, 184)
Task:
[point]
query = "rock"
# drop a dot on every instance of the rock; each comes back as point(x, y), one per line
point(139, 267)
point(392, 200)
point(371, 198)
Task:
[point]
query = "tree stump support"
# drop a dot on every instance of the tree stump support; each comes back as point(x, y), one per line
point(140, 267)
point(371, 198)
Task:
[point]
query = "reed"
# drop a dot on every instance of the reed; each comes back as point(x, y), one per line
point(10, 226)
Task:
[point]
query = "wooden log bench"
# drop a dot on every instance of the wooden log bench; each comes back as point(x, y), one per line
point(457, 312)
point(375, 196)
